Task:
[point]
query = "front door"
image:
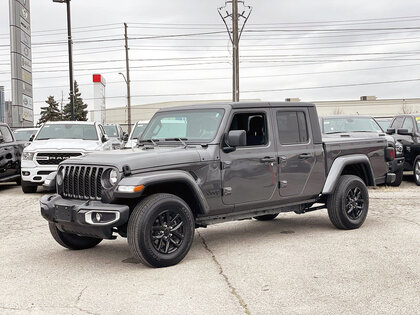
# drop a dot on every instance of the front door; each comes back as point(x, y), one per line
point(249, 173)
point(296, 150)
point(9, 164)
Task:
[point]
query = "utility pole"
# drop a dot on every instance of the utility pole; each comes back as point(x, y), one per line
point(235, 51)
point(127, 64)
point(70, 49)
point(235, 35)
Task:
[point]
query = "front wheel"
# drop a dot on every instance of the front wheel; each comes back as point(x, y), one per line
point(29, 188)
point(349, 203)
point(72, 241)
point(398, 178)
point(416, 171)
point(161, 230)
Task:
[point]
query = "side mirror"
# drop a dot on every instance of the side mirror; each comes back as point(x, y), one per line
point(105, 138)
point(404, 132)
point(390, 131)
point(235, 138)
point(1, 139)
point(125, 137)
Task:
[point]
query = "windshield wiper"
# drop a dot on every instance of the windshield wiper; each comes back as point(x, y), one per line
point(182, 140)
point(333, 132)
point(153, 141)
point(43, 139)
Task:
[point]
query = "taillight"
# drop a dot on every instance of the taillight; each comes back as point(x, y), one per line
point(389, 154)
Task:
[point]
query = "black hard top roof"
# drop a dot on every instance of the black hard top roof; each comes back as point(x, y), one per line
point(239, 105)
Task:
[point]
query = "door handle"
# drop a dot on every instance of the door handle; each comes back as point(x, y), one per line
point(268, 159)
point(305, 156)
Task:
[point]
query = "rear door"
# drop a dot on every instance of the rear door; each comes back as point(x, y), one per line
point(249, 173)
point(296, 151)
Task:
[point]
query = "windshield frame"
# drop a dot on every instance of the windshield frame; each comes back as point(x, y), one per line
point(417, 119)
point(94, 126)
point(221, 110)
point(324, 119)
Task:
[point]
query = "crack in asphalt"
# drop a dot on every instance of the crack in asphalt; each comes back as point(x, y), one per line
point(78, 300)
point(233, 290)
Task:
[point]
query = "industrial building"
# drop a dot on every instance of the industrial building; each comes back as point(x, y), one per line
point(366, 105)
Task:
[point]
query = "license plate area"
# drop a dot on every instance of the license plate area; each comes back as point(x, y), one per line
point(63, 213)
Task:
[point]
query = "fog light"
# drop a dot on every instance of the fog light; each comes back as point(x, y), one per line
point(26, 173)
point(98, 217)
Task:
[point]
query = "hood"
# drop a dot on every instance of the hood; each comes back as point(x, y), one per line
point(64, 144)
point(141, 158)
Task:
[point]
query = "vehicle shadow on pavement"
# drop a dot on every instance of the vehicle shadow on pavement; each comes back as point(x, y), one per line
point(7, 186)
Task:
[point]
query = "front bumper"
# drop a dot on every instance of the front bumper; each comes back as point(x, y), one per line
point(84, 217)
point(36, 174)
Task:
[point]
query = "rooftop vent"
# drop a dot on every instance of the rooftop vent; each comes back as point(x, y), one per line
point(296, 99)
point(368, 98)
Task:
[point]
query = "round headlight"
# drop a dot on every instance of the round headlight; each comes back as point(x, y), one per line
point(113, 177)
point(60, 176)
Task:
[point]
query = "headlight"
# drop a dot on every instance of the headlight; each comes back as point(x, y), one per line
point(399, 148)
point(29, 156)
point(113, 177)
point(60, 176)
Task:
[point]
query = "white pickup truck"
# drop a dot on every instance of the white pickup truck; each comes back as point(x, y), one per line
point(56, 142)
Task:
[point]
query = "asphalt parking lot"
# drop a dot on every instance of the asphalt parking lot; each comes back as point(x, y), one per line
point(295, 264)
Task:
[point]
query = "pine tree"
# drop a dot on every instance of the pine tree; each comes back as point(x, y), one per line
point(80, 108)
point(50, 112)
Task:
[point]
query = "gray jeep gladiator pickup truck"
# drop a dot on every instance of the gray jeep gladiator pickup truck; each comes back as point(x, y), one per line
point(203, 164)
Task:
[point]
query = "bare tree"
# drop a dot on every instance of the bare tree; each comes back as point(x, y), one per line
point(406, 109)
point(338, 111)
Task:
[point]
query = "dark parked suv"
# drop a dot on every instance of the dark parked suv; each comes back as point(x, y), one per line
point(204, 164)
point(10, 156)
point(406, 129)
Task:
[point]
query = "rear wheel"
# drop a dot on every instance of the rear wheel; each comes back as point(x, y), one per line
point(73, 241)
point(161, 230)
point(349, 203)
point(399, 177)
point(266, 217)
point(29, 188)
point(416, 171)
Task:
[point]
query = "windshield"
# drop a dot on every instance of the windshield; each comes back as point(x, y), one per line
point(193, 125)
point(354, 124)
point(138, 130)
point(384, 123)
point(24, 135)
point(111, 131)
point(67, 131)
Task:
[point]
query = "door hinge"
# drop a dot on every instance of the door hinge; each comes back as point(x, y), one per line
point(226, 164)
point(283, 184)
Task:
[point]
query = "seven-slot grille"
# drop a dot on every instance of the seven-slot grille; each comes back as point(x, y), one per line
point(82, 182)
point(54, 158)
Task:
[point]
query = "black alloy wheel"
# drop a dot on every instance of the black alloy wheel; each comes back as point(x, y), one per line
point(354, 203)
point(168, 232)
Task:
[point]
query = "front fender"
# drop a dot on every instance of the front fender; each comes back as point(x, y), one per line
point(338, 166)
point(160, 177)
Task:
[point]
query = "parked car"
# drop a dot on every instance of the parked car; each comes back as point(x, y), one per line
point(365, 127)
point(136, 132)
point(406, 129)
point(56, 142)
point(384, 122)
point(10, 155)
point(25, 134)
point(230, 161)
point(116, 135)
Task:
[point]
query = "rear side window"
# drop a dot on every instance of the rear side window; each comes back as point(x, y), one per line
point(408, 124)
point(7, 135)
point(292, 127)
point(397, 123)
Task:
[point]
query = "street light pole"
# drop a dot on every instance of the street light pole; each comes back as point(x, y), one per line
point(70, 49)
point(128, 102)
point(127, 79)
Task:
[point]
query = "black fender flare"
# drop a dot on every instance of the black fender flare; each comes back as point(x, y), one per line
point(158, 177)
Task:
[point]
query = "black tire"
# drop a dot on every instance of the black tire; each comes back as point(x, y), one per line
point(349, 203)
point(416, 171)
point(266, 217)
point(399, 178)
point(73, 241)
point(19, 181)
point(161, 230)
point(29, 188)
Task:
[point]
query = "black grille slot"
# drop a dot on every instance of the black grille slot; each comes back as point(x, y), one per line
point(54, 158)
point(82, 182)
